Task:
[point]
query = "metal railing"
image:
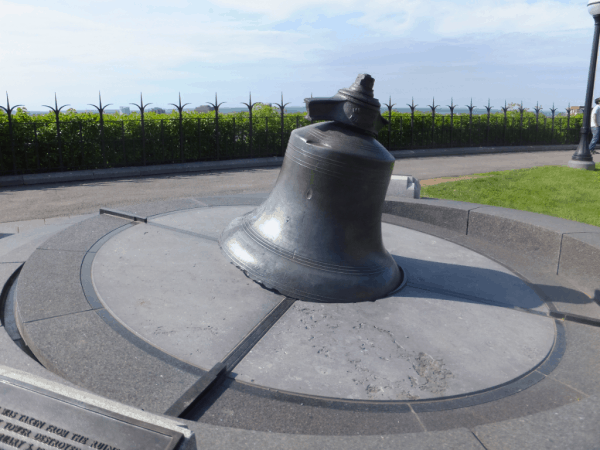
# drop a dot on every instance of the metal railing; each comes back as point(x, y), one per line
point(66, 142)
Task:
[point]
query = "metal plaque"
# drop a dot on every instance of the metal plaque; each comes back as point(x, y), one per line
point(32, 418)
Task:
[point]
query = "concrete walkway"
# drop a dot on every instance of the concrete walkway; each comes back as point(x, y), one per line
point(44, 201)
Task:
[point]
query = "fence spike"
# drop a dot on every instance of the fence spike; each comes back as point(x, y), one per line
point(8, 110)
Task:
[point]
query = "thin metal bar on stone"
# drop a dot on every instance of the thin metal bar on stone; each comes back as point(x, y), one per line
point(301, 241)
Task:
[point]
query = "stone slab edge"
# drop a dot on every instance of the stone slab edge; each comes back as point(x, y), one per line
point(275, 161)
point(557, 243)
point(400, 154)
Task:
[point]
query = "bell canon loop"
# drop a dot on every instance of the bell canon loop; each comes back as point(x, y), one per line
point(317, 237)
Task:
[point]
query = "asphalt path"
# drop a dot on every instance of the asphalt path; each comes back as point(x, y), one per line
point(75, 198)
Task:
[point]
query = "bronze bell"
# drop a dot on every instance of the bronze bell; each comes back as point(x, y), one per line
point(317, 237)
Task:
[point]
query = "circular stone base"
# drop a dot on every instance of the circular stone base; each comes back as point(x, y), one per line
point(585, 165)
point(453, 329)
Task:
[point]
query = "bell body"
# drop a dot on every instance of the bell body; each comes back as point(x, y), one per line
point(317, 237)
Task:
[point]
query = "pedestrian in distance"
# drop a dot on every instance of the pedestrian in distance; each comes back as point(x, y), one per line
point(595, 125)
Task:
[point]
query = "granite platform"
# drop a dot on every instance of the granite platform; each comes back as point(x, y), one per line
point(491, 341)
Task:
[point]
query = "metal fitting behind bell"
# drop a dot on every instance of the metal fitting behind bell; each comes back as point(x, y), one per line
point(317, 237)
point(354, 106)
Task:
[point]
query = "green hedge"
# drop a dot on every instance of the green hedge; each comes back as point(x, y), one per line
point(86, 143)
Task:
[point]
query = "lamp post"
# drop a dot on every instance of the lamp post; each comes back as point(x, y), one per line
point(582, 158)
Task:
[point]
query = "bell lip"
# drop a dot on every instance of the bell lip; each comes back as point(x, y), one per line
point(272, 284)
point(402, 284)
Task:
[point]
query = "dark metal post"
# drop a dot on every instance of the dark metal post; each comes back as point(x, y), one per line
point(101, 112)
point(216, 105)
point(451, 106)
point(504, 110)
point(281, 107)
point(80, 142)
point(9, 111)
point(56, 111)
point(162, 138)
point(37, 146)
point(412, 120)
point(123, 142)
point(389, 106)
point(471, 122)
point(267, 132)
point(568, 123)
point(142, 107)
point(199, 142)
point(250, 106)
point(401, 130)
point(582, 153)
point(553, 109)
point(180, 109)
point(487, 131)
point(521, 110)
point(433, 108)
point(537, 120)
point(442, 135)
point(235, 138)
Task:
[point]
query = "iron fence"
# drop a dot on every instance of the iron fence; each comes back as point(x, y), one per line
point(67, 142)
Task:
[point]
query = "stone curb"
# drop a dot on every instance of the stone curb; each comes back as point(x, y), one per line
point(563, 247)
point(274, 161)
point(458, 151)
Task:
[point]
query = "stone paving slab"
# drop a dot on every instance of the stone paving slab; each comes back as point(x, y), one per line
point(543, 396)
point(50, 285)
point(14, 357)
point(580, 366)
point(161, 207)
point(551, 287)
point(205, 221)
point(221, 438)
point(82, 236)
point(228, 406)
point(6, 271)
point(19, 247)
point(573, 426)
point(21, 226)
point(411, 346)
point(178, 292)
point(81, 348)
point(435, 263)
point(580, 262)
point(563, 295)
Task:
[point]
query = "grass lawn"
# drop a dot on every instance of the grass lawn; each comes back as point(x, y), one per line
point(558, 191)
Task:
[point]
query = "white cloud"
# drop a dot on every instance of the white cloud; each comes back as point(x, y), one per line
point(442, 18)
point(124, 46)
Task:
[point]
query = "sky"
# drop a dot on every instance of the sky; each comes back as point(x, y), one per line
point(514, 50)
